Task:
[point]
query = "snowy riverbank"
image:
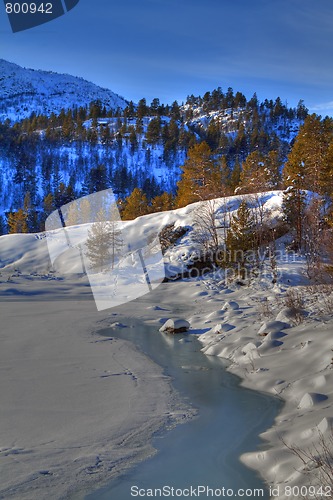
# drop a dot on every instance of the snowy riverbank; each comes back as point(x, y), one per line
point(252, 328)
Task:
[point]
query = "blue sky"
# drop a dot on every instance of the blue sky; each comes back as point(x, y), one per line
point(172, 48)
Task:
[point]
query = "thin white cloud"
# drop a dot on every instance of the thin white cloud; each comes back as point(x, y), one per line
point(322, 106)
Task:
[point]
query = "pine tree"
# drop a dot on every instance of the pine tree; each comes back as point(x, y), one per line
point(259, 172)
point(72, 215)
point(175, 111)
point(235, 177)
point(240, 240)
point(306, 161)
point(201, 178)
point(48, 204)
point(2, 226)
point(153, 131)
point(96, 180)
point(17, 222)
point(294, 207)
point(162, 202)
point(63, 195)
point(135, 205)
point(327, 172)
point(142, 109)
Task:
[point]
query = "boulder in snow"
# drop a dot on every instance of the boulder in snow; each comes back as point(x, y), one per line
point(175, 326)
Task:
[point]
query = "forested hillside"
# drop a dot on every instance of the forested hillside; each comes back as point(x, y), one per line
point(156, 156)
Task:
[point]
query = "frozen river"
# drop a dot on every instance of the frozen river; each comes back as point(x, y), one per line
point(205, 451)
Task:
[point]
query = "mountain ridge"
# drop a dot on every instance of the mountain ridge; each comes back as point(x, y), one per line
point(24, 91)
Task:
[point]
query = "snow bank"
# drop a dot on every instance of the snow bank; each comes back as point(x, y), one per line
point(29, 253)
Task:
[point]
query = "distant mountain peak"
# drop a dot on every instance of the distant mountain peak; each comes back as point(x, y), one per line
point(23, 91)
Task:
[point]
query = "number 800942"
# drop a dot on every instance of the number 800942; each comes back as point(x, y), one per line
point(29, 8)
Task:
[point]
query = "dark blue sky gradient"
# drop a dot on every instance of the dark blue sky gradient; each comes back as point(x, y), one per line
point(169, 49)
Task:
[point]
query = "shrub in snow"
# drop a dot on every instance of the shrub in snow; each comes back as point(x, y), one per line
point(169, 235)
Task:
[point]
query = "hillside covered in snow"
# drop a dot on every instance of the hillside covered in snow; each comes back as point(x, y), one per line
point(25, 91)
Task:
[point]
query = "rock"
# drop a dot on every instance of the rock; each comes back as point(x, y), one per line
point(175, 326)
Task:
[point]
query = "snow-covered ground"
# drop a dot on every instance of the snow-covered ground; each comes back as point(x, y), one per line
point(76, 408)
point(46, 328)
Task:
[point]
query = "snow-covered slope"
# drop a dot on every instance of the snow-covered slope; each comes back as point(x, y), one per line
point(23, 91)
point(28, 252)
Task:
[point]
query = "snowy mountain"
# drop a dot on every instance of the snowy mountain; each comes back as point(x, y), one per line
point(23, 91)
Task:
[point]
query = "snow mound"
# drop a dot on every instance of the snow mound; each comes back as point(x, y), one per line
point(269, 344)
point(288, 314)
point(230, 305)
point(319, 381)
point(249, 348)
point(311, 399)
point(325, 425)
point(275, 336)
point(272, 327)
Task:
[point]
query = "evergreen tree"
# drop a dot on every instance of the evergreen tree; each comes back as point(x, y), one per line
point(135, 205)
point(162, 202)
point(153, 131)
point(133, 140)
point(32, 219)
point(294, 207)
point(17, 222)
point(48, 204)
point(155, 105)
point(129, 111)
point(96, 180)
point(139, 126)
point(235, 177)
point(142, 109)
point(327, 172)
point(63, 195)
point(3, 229)
point(259, 172)
point(175, 111)
point(301, 110)
point(201, 178)
point(306, 161)
point(241, 143)
point(240, 240)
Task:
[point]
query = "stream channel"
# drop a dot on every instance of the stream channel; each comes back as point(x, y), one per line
point(206, 450)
